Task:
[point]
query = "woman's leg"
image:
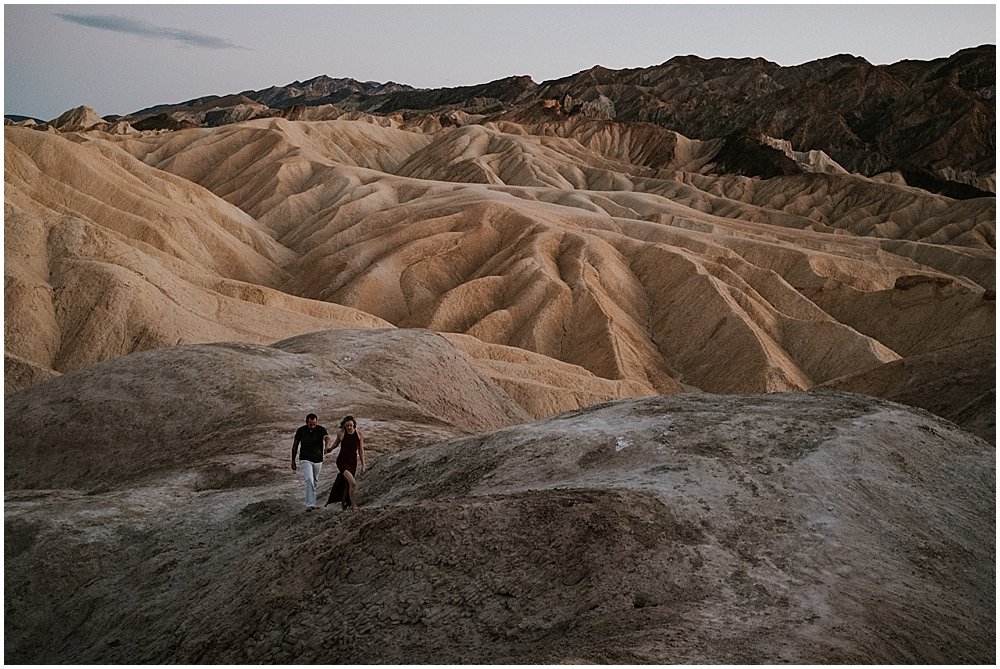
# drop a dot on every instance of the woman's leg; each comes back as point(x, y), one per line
point(350, 488)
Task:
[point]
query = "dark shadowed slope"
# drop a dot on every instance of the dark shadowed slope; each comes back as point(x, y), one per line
point(791, 527)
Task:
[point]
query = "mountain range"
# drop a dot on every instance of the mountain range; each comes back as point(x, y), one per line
point(931, 121)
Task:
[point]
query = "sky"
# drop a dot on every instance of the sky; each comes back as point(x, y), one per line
point(120, 58)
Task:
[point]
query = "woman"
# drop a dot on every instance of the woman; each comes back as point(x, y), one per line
point(352, 450)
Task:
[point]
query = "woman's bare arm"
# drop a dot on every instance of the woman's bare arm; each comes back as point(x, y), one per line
point(340, 435)
point(361, 449)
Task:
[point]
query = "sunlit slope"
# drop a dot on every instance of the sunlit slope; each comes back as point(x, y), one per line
point(104, 256)
point(721, 283)
point(280, 172)
point(542, 385)
point(607, 247)
point(154, 413)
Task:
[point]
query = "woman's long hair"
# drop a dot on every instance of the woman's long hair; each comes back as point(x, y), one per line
point(348, 419)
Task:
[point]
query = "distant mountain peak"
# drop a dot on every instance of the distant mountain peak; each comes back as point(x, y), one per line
point(78, 118)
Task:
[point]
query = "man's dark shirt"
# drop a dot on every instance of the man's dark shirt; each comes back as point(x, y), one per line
point(312, 442)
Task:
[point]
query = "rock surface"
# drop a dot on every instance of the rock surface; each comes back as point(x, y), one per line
point(792, 527)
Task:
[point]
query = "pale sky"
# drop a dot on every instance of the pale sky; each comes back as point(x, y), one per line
point(121, 58)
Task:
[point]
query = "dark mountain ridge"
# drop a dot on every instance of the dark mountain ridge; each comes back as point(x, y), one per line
point(505, 93)
point(932, 119)
point(933, 122)
point(322, 90)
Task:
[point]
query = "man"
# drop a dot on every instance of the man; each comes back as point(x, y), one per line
point(315, 441)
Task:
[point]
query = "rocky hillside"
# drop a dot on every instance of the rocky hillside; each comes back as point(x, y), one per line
point(933, 121)
point(165, 525)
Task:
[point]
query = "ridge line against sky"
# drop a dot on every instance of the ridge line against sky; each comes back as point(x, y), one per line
point(120, 58)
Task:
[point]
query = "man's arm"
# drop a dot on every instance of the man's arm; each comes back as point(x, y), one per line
point(295, 449)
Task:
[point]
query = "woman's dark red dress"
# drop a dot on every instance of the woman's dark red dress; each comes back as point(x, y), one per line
point(347, 460)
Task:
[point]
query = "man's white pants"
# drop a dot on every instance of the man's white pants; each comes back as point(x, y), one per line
point(310, 472)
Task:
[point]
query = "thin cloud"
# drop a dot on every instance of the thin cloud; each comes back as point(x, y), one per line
point(120, 24)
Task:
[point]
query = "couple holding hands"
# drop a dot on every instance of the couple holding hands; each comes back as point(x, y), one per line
point(315, 443)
